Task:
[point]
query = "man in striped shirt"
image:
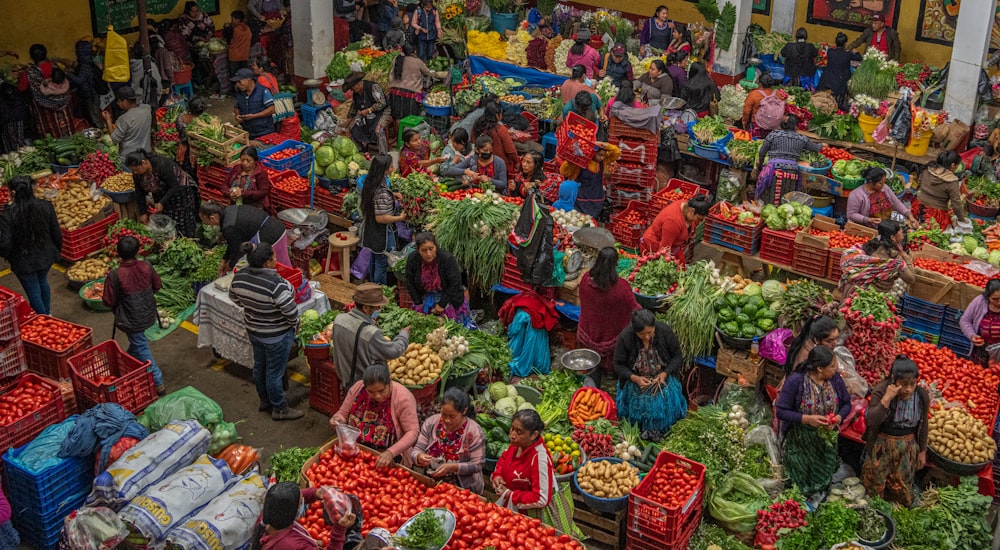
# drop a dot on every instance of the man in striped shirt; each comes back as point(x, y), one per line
point(271, 316)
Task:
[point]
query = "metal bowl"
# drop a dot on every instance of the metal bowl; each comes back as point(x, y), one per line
point(672, 103)
point(92, 133)
point(305, 217)
point(445, 516)
point(581, 361)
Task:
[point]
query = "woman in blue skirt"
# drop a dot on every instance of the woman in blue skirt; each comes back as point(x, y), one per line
point(647, 361)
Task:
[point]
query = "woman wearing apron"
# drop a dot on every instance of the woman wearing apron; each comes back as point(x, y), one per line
point(162, 184)
point(656, 33)
point(591, 194)
point(245, 224)
point(249, 183)
point(981, 324)
point(874, 201)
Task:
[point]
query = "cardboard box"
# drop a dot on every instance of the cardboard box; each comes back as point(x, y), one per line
point(933, 287)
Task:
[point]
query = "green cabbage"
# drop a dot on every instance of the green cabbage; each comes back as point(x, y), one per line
point(969, 243)
point(981, 253)
point(771, 290)
point(752, 289)
point(994, 258)
point(511, 391)
point(525, 407)
point(506, 406)
point(497, 390)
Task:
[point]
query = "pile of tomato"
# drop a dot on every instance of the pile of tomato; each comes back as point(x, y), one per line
point(835, 154)
point(678, 194)
point(285, 153)
point(52, 333)
point(839, 239)
point(672, 485)
point(391, 496)
point(631, 218)
point(958, 379)
point(291, 184)
point(26, 398)
point(955, 271)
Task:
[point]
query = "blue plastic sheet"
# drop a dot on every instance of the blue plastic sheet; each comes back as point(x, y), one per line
point(569, 311)
point(533, 77)
point(529, 346)
point(41, 452)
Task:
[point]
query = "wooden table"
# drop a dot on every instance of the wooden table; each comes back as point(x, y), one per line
point(345, 243)
point(879, 149)
point(730, 256)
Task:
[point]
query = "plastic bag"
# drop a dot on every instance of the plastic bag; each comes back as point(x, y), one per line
point(764, 436)
point(97, 528)
point(773, 346)
point(856, 385)
point(183, 404)
point(733, 515)
point(335, 503)
point(117, 450)
point(41, 452)
point(729, 187)
point(748, 398)
point(116, 61)
point(347, 440)
point(223, 435)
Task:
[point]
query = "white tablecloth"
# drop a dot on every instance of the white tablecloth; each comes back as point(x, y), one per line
point(221, 327)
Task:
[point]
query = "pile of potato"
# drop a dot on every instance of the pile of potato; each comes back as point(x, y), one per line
point(419, 366)
point(88, 270)
point(605, 479)
point(119, 183)
point(75, 205)
point(957, 435)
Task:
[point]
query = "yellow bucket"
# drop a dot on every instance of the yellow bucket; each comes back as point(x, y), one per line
point(919, 143)
point(868, 125)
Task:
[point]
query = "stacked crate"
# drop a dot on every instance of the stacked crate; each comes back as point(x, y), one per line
point(634, 176)
point(922, 319)
point(952, 336)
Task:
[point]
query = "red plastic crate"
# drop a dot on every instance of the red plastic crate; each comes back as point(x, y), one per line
point(570, 146)
point(133, 387)
point(638, 151)
point(283, 199)
point(12, 360)
point(618, 129)
point(658, 521)
point(404, 300)
point(324, 387)
point(23, 430)
point(744, 239)
point(532, 124)
point(777, 246)
point(81, 242)
point(9, 327)
point(332, 203)
point(628, 236)
point(634, 175)
point(636, 540)
point(290, 274)
point(212, 176)
point(811, 261)
point(300, 258)
point(213, 195)
point(669, 194)
point(622, 196)
point(50, 363)
point(834, 272)
point(511, 278)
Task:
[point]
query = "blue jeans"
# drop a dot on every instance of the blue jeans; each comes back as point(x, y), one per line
point(138, 347)
point(36, 288)
point(426, 49)
point(380, 268)
point(269, 364)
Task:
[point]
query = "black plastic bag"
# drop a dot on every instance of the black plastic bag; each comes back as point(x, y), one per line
point(532, 239)
point(901, 120)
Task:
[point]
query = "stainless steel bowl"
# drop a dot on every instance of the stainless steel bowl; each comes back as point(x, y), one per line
point(445, 516)
point(92, 133)
point(671, 103)
point(582, 361)
point(305, 217)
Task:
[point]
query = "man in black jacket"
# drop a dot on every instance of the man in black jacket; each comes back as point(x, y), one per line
point(880, 37)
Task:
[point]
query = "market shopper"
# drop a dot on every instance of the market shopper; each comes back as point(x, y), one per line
point(625, 97)
point(395, 37)
point(386, 414)
point(817, 331)
point(877, 263)
point(426, 23)
point(615, 65)
point(648, 360)
point(483, 167)
point(242, 223)
point(800, 61)
point(812, 403)
point(680, 41)
point(454, 151)
point(981, 324)
point(874, 201)
point(587, 105)
point(838, 70)
point(254, 106)
point(591, 193)
point(133, 129)
point(657, 83)
point(249, 183)
point(434, 281)
point(129, 291)
point(284, 503)
point(525, 477)
point(163, 187)
point(451, 445)
point(896, 438)
point(415, 154)
point(261, 67)
point(939, 195)
point(406, 83)
point(491, 124)
point(879, 36)
point(675, 68)
point(369, 114)
point(378, 218)
point(782, 148)
point(763, 109)
point(674, 226)
point(606, 306)
point(699, 91)
point(271, 317)
point(656, 33)
point(357, 340)
point(576, 83)
point(30, 241)
point(86, 77)
point(581, 53)
point(527, 175)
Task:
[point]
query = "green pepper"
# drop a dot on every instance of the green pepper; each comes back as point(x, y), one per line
point(742, 318)
point(731, 329)
point(765, 324)
point(725, 314)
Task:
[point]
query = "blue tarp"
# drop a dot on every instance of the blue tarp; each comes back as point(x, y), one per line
point(534, 77)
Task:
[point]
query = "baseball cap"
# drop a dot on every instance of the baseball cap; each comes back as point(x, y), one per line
point(618, 49)
point(241, 74)
point(877, 17)
point(125, 93)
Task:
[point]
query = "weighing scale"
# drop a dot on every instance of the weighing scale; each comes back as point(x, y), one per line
point(308, 224)
point(314, 92)
point(581, 362)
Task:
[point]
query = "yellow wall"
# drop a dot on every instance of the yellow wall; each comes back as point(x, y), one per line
point(60, 23)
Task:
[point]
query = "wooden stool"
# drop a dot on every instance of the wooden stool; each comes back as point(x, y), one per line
point(345, 243)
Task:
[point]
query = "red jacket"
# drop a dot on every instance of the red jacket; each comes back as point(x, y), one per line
point(133, 276)
point(669, 229)
point(259, 193)
point(605, 313)
point(529, 475)
point(297, 538)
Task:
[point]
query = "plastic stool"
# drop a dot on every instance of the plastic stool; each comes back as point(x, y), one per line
point(186, 90)
point(549, 143)
point(407, 122)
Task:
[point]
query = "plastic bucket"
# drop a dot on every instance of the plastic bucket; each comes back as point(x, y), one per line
point(918, 144)
point(504, 22)
point(868, 125)
point(183, 76)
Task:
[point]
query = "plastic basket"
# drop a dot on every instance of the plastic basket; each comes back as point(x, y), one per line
point(958, 344)
point(12, 360)
point(628, 233)
point(183, 75)
point(720, 144)
point(710, 153)
point(571, 146)
point(638, 151)
point(290, 274)
point(532, 125)
point(330, 202)
point(212, 176)
point(437, 111)
point(935, 311)
point(612, 412)
point(777, 246)
point(217, 197)
point(426, 393)
point(309, 113)
point(324, 387)
point(83, 241)
point(924, 318)
point(744, 239)
point(44, 490)
point(637, 540)
point(675, 190)
point(618, 129)
point(911, 333)
point(819, 170)
point(952, 320)
point(43, 531)
point(301, 162)
point(834, 271)
point(598, 504)
point(24, 429)
point(622, 196)
point(658, 521)
point(635, 175)
point(9, 326)
point(283, 199)
point(50, 363)
point(811, 260)
point(133, 387)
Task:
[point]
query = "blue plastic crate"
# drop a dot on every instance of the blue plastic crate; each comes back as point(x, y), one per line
point(42, 531)
point(309, 113)
point(952, 319)
point(923, 305)
point(301, 162)
point(733, 241)
point(45, 490)
point(921, 319)
point(959, 344)
point(914, 334)
point(334, 186)
point(922, 327)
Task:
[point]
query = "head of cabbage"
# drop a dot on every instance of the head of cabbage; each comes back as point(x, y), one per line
point(505, 406)
point(497, 391)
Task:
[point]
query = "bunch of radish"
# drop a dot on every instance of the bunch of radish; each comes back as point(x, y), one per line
point(780, 515)
point(97, 167)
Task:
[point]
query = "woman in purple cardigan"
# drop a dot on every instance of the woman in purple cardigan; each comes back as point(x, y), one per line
point(874, 201)
point(812, 404)
point(451, 445)
point(981, 324)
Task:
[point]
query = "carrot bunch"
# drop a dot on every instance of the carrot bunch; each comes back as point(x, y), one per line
point(589, 405)
point(239, 457)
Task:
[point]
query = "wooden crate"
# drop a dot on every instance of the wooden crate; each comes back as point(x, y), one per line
point(733, 364)
point(606, 529)
point(773, 374)
point(223, 153)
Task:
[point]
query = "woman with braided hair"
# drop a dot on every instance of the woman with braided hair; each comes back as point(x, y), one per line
point(878, 262)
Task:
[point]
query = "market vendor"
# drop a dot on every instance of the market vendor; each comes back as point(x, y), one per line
point(576, 83)
point(491, 124)
point(624, 98)
point(525, 478)
point(817, 331)
point(615, 65)
point(406, 83)
point(678, 73)
point(838, 70)
point(800, 61)
point(285, 502)
point(451, 445)
point(811, 405)
point(434, 281)
point(454, 151)
point(529, 174)
point(369, 114)
point(656, 32)
point(657, 83)
point(358, 342)
point(680, 41)
point(587, 105)
point(385, 412)
point(877, 263)
point(582, 53)
point(133, 129)
point(896, 438)
point(163, 186)
point(606, 306)
point(879, 36)
point(240, 224)
point(591, 193)
point(482, 167)
point(874, 201)
point(674, 226)
point(254, 105)
point(648, 360)
point(783, 147)
point(249, 183)
point(940, 191)
point(700, 90)
point(415, 156)
point(981, 324)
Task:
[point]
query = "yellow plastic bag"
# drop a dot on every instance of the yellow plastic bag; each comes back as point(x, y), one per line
point(116, 64)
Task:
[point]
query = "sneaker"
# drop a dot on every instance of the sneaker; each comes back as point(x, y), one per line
point(264, 406)
point(161, 389)
point(287, 414)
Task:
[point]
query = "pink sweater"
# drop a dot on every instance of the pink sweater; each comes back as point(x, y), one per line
point(589, 59)
point(404, 417)
point(859, 205)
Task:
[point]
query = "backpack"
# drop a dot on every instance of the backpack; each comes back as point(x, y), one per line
point(772, 109)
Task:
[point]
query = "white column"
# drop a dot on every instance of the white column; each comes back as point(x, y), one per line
point(783, 16)
point(312, 34)
point(972, 38)
point(728, 62)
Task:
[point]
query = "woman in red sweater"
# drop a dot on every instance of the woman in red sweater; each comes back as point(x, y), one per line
point(491, 124)
point(526, 481)
point(249, 183)
point(284, 504)
point(674, 226)
point(606, 306)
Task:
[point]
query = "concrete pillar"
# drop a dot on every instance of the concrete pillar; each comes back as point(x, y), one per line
point(783, 16)
point(972, 38)
point(728, 62)
point(312, 34)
